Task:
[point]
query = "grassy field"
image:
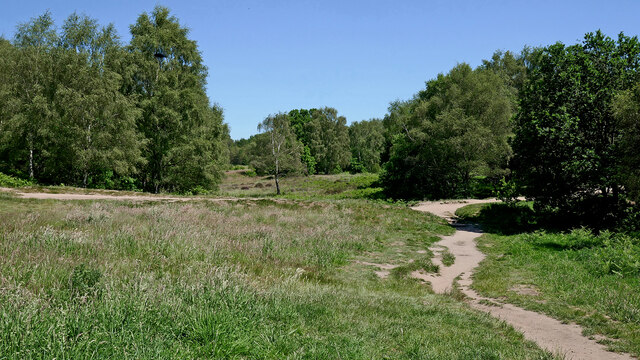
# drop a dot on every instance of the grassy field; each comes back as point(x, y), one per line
point(254, 278)
point(244, 183)
point(575, 276)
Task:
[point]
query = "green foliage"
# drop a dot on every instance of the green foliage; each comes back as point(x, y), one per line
point(279, 150)
point(239, 151)
point(507, 191)
point(367, 143)
point(10, 181)
point(308, 160)
point(510, 67)
point(626, 111)
point(184, 135)
point(98, 122)
point(456, 128)
point(299, 120)
point(76, 107)
point(29, 71)
point(328, 140)
point(566, 136)
point(356, 166)
point(619, 255)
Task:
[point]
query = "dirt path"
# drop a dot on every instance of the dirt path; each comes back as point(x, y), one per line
point(548, 333)
point(64, 196)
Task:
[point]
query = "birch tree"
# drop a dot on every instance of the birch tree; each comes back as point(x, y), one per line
point(282, 147)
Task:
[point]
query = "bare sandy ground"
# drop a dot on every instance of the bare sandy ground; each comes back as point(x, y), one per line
point(548, 333)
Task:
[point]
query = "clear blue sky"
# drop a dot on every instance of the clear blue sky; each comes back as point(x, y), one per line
point(357, 56)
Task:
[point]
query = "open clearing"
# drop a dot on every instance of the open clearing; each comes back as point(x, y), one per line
point(253, 278)
point(402, 254)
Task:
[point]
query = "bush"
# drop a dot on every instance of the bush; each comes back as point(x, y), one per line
point(481, 187)
point(10, 181)
point(356, 166)
point(619, 255)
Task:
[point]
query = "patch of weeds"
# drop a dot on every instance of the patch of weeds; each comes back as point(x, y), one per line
point(455, 291)
point(448, 258)
point(423, 263)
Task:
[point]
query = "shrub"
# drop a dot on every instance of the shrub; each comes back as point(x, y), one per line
point(619, 255)
point(10, 181)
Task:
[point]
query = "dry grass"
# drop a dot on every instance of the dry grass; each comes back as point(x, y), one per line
point(241, 279)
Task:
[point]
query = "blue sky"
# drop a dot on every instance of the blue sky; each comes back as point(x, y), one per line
point(357, 56)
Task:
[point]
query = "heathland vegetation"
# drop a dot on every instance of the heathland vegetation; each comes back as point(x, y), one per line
point(281, 267)
point(229, 279)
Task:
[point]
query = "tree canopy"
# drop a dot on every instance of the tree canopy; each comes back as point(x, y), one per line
point(458, 126)
point(78, 107)
point(567, 138)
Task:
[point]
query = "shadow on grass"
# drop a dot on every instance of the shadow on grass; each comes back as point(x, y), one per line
point(516, 218)
point(502, 219)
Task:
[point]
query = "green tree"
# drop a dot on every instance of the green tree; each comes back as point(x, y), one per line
point(299, 120)
point(183, 137)
point(239, 151)
point(97, 133)
point(626, 111)
point(7, 54)
point(367, 143)
point(455, 128)
point(566, 135)
point(512, 68)
point(328, 140)
point(279, 146)
point(28, 125)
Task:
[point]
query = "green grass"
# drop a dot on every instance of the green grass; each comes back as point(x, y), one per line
point(339, 186)
point(448, 258)
point(422, 263)
point(253, 279)
point(576, 276)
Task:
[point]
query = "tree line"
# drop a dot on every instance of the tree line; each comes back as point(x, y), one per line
point(319, 142)
point(79, 107)
point(558, 124)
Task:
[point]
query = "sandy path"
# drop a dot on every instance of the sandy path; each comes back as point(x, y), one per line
point(548, 333)
point(63, 196)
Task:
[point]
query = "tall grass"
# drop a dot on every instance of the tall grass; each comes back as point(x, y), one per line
point(254, 279)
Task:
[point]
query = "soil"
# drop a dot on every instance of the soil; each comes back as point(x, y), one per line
point(548, 333)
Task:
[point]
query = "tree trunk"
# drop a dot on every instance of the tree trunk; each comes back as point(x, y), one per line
point(31, 174)
point(276, 177)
